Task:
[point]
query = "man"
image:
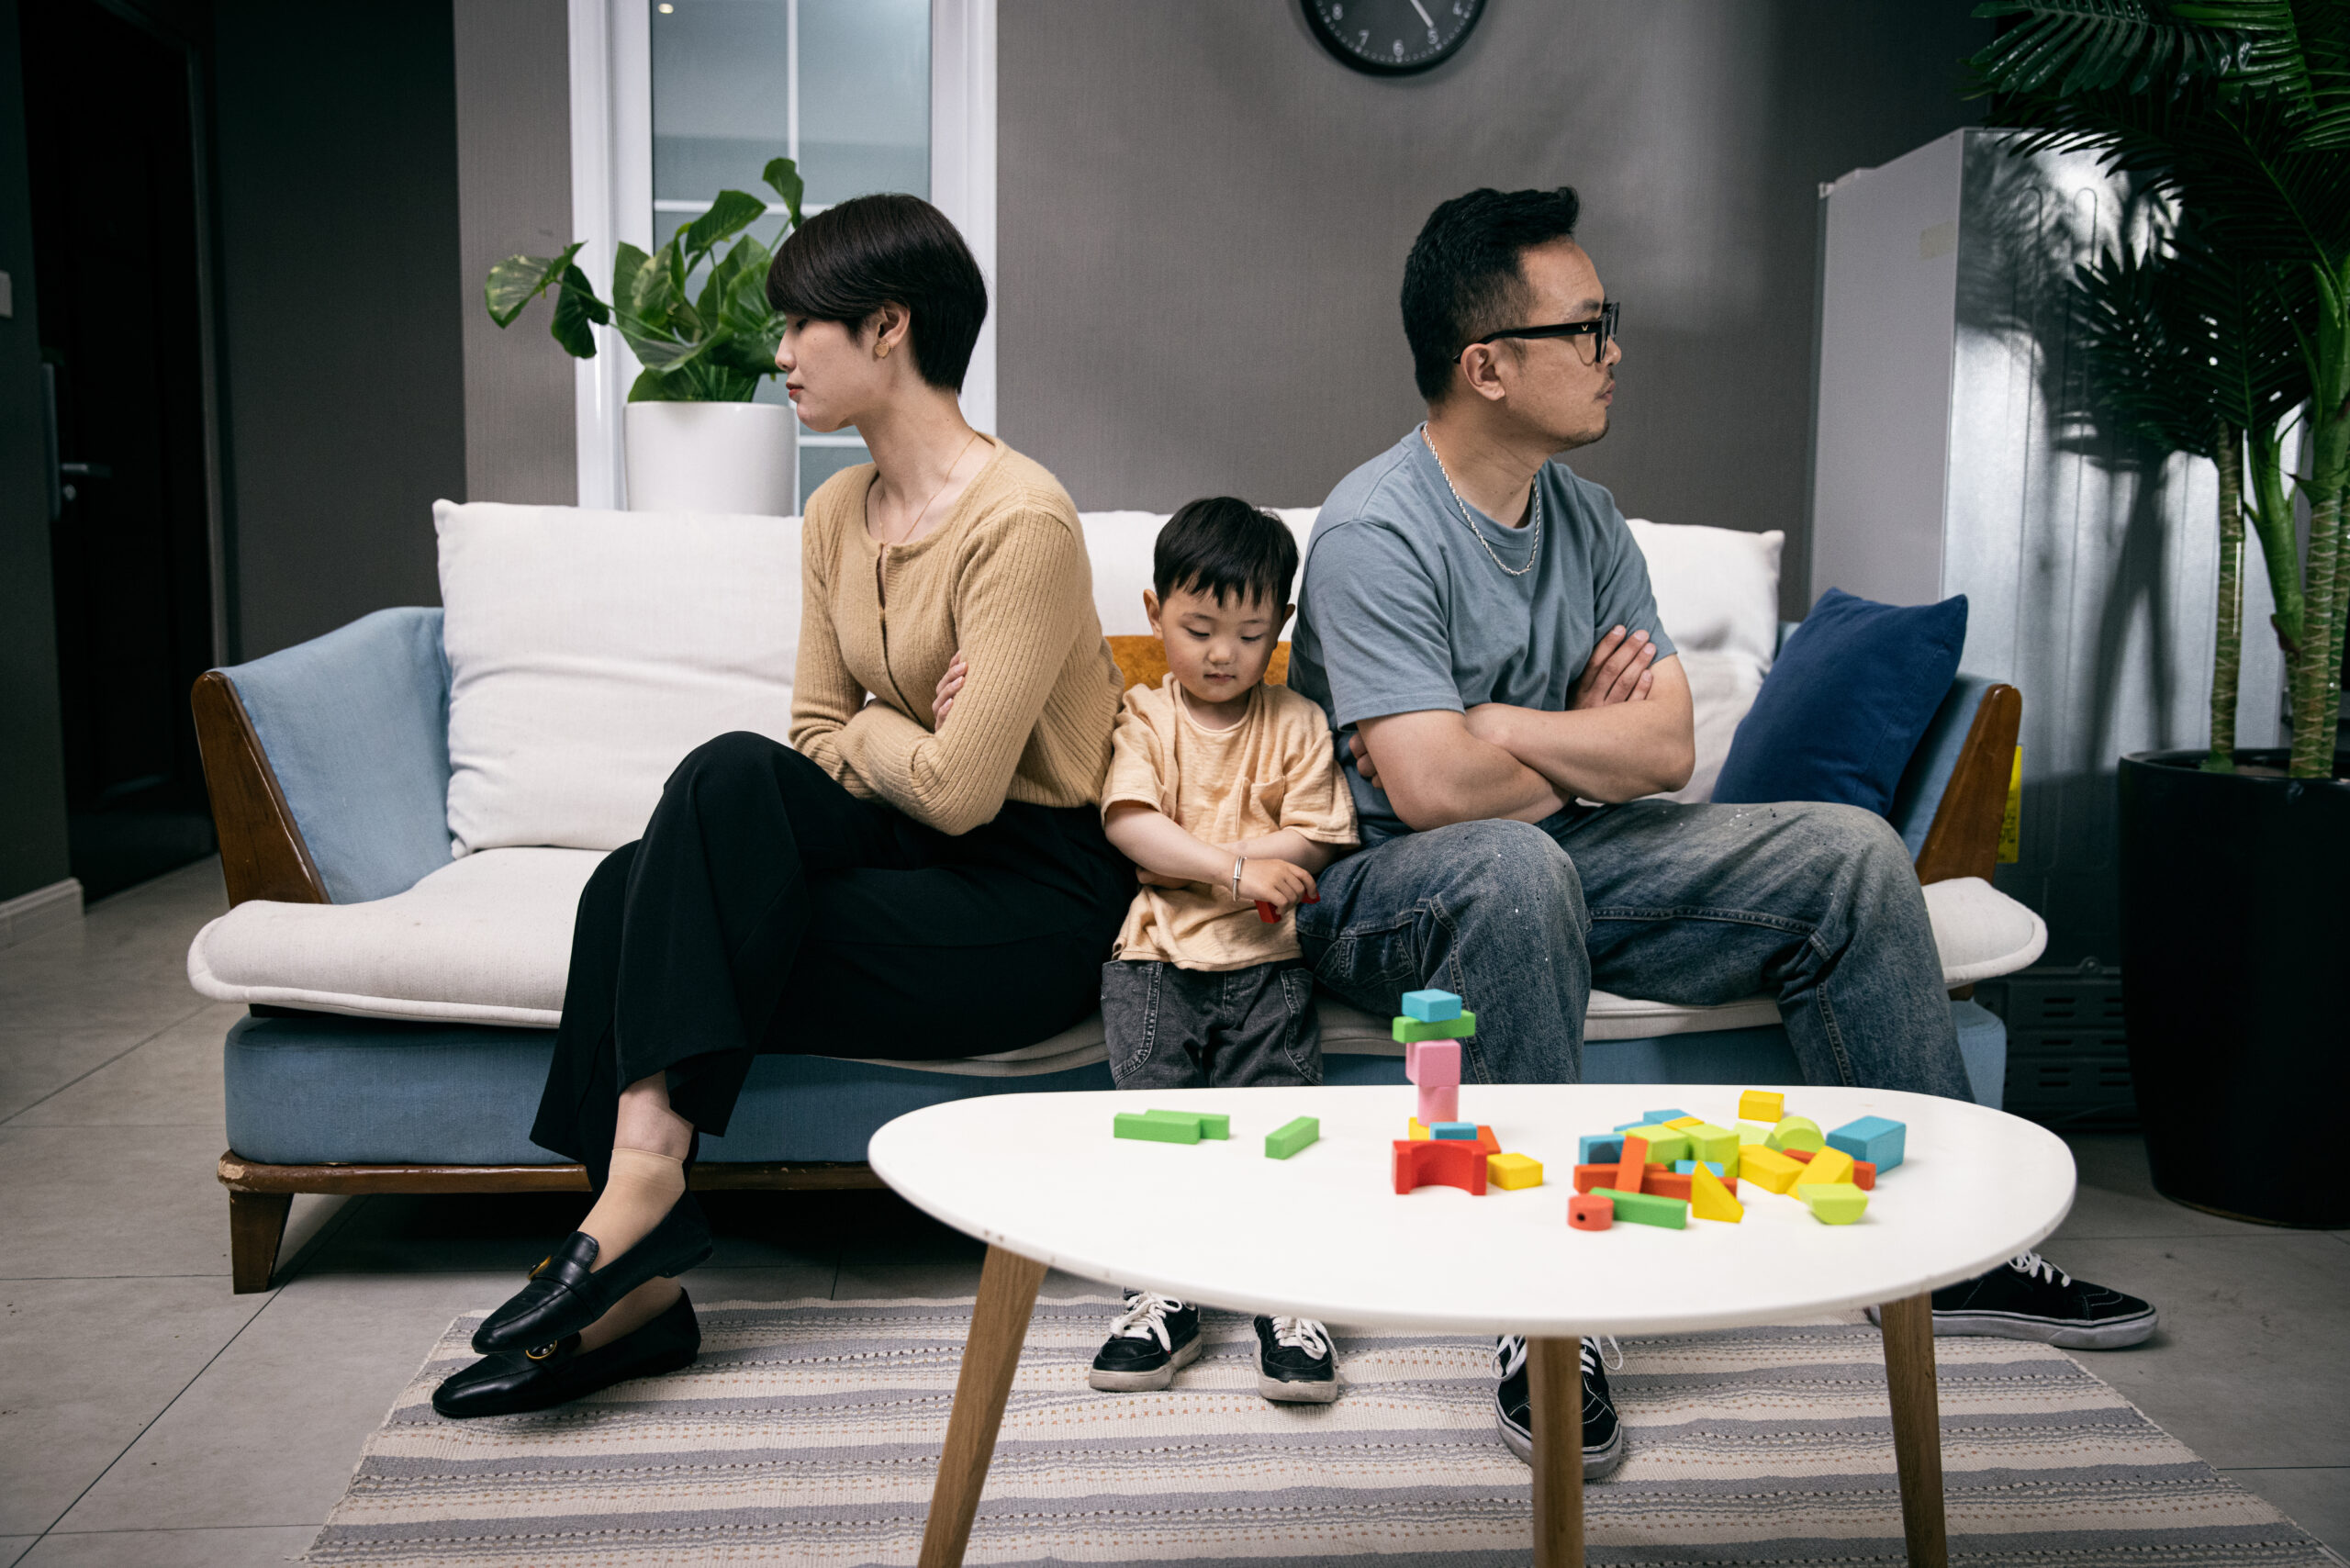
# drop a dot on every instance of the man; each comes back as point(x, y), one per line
point(1477, 621)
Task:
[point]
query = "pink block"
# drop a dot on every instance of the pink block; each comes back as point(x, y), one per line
point(1412, 1061)
point(1438, 1064)
point(1439, 1102)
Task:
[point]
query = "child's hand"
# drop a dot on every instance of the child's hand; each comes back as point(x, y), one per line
point(1277, 883)
point(943, 702)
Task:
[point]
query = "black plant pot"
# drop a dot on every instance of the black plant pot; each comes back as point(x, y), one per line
point(2235, 952)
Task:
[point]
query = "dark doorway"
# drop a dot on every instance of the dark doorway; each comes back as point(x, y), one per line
point(117, 237)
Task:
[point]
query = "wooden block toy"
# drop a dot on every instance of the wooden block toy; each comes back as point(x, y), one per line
point(1834, 1202)
point(1877, 1139)
point(1685, 1167)
point(1708, 1141)
point(1658, 1118)
point(1453, 1130)
point(1434, 1064)
point(1211, 1125)
point(1760, 1105)
point(1431, 1006)
point(1486, 1140)
point(1664, 1184)
point(1628, 1126)
point(1589, 1211)
point(1414, 1030)
point(1801, 1156)
point(1630, 1169)
point(1863, 1175)
point(1157, 1130)
point(1828, 1166)
point(1590, 1176)
point(1710, 1199)
point(1439, 1102)
point(1754, 1133)
point(1796, 1132)
point(1639, 1208)
point(1593, 1147)
point(1417, 1129)
point(1665, 1145)
point(1287, 1140)
point(1511, 1172)
point(1682, 1124)
point(1767, 1168)
point(1444, 1163)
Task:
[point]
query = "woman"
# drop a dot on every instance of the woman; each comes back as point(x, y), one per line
point(910, 878)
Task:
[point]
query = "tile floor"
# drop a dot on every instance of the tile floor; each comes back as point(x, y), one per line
point(147, 1416)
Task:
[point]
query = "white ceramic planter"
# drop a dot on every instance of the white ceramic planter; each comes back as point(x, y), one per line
point(712, 457)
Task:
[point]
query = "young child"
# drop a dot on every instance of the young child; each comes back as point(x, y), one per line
point(1226, 793)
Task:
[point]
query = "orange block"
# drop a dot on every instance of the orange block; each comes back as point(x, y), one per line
point(1487, 1141)
point(1585, 1212)
point(1590, 1176)
point(1665, 1183)
point(1863, 1175)
point(1635, 1163)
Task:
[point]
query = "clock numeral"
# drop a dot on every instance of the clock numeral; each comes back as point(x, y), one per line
point(1399, 49)
point(1337, 12)
point(1432, 37)
point(1363, 37)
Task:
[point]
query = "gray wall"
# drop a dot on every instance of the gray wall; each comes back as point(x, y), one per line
point(513, 86)
point(32, 747)
point(337, 159)
point(1203, 220)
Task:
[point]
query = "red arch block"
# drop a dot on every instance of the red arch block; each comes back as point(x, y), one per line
point(1441, 1162)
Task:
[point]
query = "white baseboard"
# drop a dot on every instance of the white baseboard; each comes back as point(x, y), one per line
point(40, 912)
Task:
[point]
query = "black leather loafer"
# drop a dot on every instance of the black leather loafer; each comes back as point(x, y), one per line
point(566, 1293)
point(513, 1381)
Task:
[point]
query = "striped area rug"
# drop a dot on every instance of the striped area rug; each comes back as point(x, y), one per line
point(808, 1433)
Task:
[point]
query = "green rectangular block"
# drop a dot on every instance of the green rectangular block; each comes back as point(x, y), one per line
point(1210, 1123)
point(1665, 1144)
point(1285, 1141)
point(1648, 1208)
point(1411, 1029)
point(1157, 1127)
point(1710, 1142)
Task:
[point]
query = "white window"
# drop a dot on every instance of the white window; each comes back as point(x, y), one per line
point(674, 100)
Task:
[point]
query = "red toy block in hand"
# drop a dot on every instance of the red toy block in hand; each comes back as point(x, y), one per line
point(1265, 911)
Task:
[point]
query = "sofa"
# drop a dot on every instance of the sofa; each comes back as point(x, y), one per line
point(409, 806)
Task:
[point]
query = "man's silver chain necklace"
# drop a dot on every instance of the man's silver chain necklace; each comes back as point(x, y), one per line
point(1533, 549)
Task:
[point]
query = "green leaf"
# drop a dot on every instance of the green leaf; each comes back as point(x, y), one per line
point(651, 387)
point(653, 290)
point(729, 215)
point(656, 349)
point(782, 175)
point(627, 262)
point(518, 280)
point(575, 309)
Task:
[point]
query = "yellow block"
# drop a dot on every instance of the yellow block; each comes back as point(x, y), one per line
point(1833, 1204)
point(1828, 1168)
point(1511, 1172)
point(1762, 1105)
point(1766, 1167)
point(1796, 1132)
point(1687, 1122)
point(1708, 1198)
point(1419, 1133)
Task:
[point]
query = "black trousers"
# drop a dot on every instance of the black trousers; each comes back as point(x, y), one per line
point(768, 910)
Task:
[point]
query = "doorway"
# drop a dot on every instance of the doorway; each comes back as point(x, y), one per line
point(117, 236)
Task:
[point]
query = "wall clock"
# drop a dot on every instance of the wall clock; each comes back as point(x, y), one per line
point(1393, 38)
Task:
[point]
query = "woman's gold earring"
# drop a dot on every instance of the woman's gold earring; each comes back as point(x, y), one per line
point(882, 352)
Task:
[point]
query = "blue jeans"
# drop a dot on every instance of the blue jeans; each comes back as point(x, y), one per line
point(1816, 905)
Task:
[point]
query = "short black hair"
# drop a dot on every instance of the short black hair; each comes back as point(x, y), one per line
point(1464, 275)
point(1222, 546)
point(848, 261)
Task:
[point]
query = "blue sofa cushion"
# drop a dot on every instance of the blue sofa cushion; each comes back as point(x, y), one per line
point(1841, 713)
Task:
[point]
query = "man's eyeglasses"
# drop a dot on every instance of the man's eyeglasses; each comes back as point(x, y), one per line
point(1600, 328)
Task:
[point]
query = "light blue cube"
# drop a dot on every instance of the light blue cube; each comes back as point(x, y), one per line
point(1600, 1148)
point(1455, 1130)
point(1431, 1006)
point(1635, 1122)
point(1687, 1165)
point(1661, 1117)
point(1877, 1139)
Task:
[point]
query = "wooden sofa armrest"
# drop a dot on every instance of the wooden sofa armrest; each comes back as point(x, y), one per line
point(262, 852)
point(1142, 661)
point(1963, 840)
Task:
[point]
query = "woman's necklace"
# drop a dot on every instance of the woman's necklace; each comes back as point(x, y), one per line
point(1534, 549)
point(915, 527)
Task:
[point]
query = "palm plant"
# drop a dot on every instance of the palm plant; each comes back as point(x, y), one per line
point(706, 346)
point(2237, 113)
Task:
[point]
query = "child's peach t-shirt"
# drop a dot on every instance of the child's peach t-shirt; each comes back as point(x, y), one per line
point(1272, 770)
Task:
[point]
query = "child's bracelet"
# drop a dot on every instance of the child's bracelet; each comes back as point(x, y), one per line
point(1237, 862)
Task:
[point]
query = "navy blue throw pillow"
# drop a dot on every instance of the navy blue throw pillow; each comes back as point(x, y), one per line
point(1840, 713)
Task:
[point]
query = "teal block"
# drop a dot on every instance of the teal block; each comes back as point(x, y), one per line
point(1877, 1139)
point(1661, 1117)
point(1685, 1166)
point(1285, 1141)
point(1431, 1006)
point(1600, 1148)
point(1454, 1131)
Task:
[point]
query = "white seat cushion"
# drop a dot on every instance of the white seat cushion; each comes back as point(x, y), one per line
point(487, 940)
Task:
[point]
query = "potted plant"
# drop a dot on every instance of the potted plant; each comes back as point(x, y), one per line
point(2213, 336)
point(698, 323)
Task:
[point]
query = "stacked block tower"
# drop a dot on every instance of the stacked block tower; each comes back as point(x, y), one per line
point(1442, 1149)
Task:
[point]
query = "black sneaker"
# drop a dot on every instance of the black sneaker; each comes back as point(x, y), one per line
point(1294, 1363)
point(2030, 1298)
point(1150, 1341)
point(1603, 1435)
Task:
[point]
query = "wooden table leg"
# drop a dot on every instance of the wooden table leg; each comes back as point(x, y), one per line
point(1917, 1426)
point(999, 1323)
point(1554, 1378)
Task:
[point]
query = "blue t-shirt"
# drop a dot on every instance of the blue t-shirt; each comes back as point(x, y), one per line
point(1401, 609)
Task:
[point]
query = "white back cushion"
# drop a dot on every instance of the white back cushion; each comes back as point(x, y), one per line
point(1718, 593)
point(590, 651)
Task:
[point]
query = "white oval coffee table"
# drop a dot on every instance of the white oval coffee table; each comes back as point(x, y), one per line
point(1042, 1181)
